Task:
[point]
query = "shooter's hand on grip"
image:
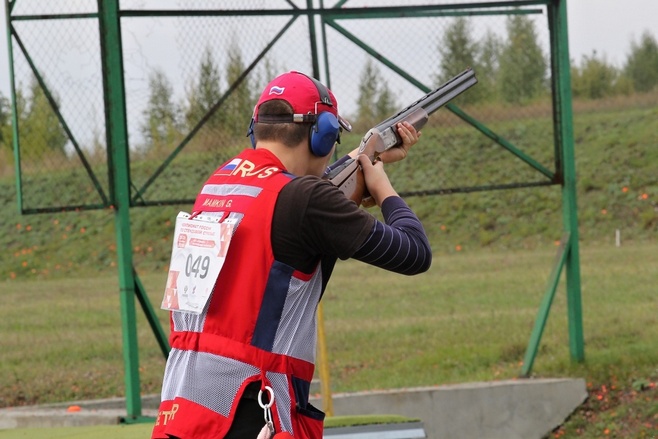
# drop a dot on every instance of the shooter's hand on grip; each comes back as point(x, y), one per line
point(377, 182)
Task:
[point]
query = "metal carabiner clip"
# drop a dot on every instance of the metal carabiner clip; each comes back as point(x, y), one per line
point(267, 408)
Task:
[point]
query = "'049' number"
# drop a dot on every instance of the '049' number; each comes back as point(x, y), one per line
point(197, 266)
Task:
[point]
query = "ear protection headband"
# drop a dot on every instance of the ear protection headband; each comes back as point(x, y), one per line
point(324, 132)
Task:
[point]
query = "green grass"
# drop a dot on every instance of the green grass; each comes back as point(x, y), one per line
point(138, 431)
point(355, 421)
point(468, 319)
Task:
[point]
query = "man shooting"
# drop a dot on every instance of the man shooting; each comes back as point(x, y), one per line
point(247, 356)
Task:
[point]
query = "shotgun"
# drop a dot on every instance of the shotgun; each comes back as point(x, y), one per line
point(348, 176)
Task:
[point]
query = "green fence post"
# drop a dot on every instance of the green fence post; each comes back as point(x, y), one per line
point(14, 112)
point(118, 165)
point(563, 107)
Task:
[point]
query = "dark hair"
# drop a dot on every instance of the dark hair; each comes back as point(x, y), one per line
point(290, 134)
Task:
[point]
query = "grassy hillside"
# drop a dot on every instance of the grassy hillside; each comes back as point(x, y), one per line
point(617, 167)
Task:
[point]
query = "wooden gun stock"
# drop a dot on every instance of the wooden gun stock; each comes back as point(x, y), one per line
point(349, 176)
point(350, 180)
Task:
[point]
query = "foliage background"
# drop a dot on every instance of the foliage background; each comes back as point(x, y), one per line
point(207, 100)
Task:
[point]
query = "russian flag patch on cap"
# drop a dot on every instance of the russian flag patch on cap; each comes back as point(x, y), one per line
point(276, 90)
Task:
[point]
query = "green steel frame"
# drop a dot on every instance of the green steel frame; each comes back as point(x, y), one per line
point(568, 253)
point(119, 166)
point(109, 17)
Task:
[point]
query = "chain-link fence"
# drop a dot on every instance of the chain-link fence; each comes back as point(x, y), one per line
point(193, 69)
point(190, 73)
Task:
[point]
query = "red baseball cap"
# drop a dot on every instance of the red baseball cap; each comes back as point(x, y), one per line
point(306, 95)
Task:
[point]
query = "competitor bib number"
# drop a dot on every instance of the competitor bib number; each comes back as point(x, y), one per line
point(197, 267)
point(197, 256)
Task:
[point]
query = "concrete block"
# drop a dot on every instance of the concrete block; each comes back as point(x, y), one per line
point(512, 409)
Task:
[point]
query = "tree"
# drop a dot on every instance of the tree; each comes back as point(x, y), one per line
point(160, 124)
point(595, 79)
point(376, 102)
point(458, 51)
point(39, 128)
point(385, 106)
point(266, 71)
point(6, 156)
point(5, 122)
point(523, 66)
point(642, 63)
point(204, 93)
point(239, 106)
point(488, 65)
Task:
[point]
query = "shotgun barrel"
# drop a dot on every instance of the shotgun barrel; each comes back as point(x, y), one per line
point(385, 135)
point(349, 176)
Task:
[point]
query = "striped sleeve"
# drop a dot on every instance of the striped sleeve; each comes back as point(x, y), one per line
point(400, 244)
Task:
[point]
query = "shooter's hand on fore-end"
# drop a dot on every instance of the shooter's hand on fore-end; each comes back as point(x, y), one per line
point(409, 137)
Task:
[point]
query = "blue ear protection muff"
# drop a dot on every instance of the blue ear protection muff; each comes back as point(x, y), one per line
point(324, 132)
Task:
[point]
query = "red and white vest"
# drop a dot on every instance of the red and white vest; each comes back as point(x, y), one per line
point(259, 324)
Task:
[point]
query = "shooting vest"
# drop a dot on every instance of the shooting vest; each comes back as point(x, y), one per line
point(259, 324)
